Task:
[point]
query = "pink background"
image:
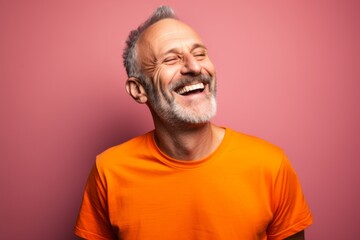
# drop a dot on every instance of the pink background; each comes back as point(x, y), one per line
point(288, 71)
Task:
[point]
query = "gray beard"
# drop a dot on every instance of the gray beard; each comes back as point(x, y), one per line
point(178, 115)
point(167, 109)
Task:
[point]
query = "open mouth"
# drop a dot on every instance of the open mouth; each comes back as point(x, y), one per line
point(190, 89)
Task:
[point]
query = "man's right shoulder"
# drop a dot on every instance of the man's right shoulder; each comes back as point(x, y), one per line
point(125, 151)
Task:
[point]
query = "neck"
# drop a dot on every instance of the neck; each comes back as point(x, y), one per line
point(192, 143)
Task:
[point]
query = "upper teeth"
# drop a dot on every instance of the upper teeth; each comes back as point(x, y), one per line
point(187, 89)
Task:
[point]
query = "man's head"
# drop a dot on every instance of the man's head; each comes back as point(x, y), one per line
point(169, 69)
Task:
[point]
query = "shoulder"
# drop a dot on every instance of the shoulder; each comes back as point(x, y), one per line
point(253, 152)
point(124, 151)
point(253, 145)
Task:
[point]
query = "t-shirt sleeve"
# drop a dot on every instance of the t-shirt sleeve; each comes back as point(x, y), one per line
point(93, 220)
point(291, 212)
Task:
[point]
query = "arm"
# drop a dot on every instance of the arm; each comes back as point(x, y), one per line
point(93, 221)
point(297, 236)
point(291, 211)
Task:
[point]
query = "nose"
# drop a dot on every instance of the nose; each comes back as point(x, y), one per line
point(190, 65)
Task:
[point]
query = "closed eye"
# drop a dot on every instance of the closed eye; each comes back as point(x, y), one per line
point(200, 55)
point(170, 60)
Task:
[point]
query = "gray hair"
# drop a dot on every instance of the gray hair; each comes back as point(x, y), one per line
point(130, 54)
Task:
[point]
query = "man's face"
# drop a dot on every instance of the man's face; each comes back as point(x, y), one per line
point(176, 62)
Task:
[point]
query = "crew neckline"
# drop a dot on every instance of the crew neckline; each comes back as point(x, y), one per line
point(186, 164)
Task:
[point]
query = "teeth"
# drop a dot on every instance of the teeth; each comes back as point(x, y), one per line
point(187, 89)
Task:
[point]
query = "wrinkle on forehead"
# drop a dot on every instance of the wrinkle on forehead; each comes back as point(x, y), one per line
point(168, 26)
point(167, 29)
point(161, 37)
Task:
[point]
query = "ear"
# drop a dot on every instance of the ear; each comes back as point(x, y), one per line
point(136, 90)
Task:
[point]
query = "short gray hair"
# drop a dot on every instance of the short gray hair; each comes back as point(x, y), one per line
point(130, 54)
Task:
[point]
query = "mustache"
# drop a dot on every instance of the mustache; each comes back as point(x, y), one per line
point(187, 80)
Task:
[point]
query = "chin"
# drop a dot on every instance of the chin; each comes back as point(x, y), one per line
point(197, 114)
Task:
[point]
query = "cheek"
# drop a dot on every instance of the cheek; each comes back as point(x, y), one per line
point(209, 67)
point(164, 75)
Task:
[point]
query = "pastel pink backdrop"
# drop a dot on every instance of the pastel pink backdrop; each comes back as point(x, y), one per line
point(288, 71)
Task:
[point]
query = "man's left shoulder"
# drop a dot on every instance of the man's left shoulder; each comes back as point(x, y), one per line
point(254, 147)
point(253, 142)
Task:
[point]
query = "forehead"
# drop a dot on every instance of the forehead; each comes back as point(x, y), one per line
point(168, 33)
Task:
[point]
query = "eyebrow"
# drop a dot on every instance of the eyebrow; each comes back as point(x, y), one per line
point(193, 47)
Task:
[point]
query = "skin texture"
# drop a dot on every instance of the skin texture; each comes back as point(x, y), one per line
point(168, 52)
point(171, 55)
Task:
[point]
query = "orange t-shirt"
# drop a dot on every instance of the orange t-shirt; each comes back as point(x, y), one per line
point(246, 189)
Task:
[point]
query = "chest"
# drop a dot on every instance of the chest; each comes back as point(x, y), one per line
point(204, 204)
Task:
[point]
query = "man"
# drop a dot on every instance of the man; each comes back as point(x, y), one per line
point(187, 179)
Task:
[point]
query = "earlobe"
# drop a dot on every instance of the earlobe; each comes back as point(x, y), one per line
point(136, 90)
